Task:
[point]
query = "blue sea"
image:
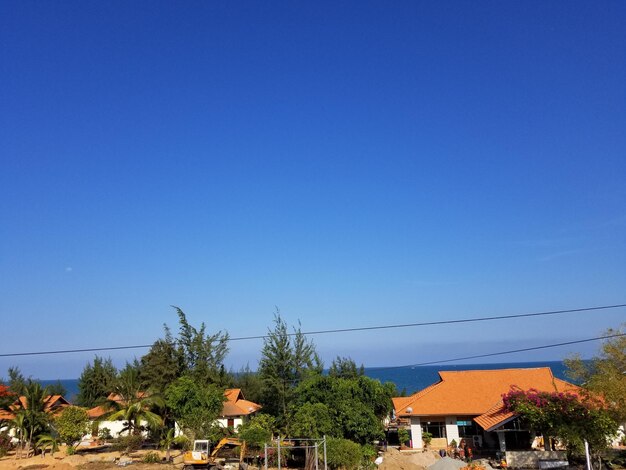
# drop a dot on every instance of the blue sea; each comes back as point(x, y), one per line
point(407, 379)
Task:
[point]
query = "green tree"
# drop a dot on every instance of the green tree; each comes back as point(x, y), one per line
point(57, 388)
point(346, 368)
point(343, 454)
point(313, 420)
point(131, 404)
point(258, 430)
point(162, 364)
point(71, 425)
point(284, 362)
point(17, 381)
point(203, 354)
point(565, 416)
point(96, 382)
point(31, 419)
point(605, 374)
point(358, 405)
point(194, 406)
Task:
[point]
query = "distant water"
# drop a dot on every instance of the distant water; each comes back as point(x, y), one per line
point(409, 379)
point(412, 379)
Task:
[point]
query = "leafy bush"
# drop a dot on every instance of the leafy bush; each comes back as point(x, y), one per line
point(105, 434)
point(69, 450)
point(342, 453)
point(151, 457)
point(72, 424)
point(369, 455)
point(127, 444)
point(403, 436)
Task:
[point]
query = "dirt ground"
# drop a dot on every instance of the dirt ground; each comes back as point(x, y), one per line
point(392, 460)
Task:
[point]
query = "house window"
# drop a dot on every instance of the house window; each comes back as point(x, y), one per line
point(467, 426)
point(436, 428)
point(231, 423)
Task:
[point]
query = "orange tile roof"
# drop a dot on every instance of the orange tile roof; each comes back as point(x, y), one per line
point(477, 392)
point(237, 405)
point(52, 404)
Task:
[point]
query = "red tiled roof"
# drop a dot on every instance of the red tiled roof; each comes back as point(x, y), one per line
point(477, 392)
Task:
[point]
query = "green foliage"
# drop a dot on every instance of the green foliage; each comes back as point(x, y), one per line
point(151, 457)
point(258, 430)
point(604, 374)
point(250, 383)
point(132, 404)
point(345, 368)
point(57, 388)
point(70, 450)
point(17, 381)
point(194, 406)
point(285, 360)
point(312, 420)
point(105, 434)
point(202, 354)
point(357, 406)
point(96, 382)
point(403, 436)
point(32, 420)
point(343, 453)
point(72, 424)
point(566, 416)
point(162, 364)
point(427, 438)
point(48, 441)
point(128, 444)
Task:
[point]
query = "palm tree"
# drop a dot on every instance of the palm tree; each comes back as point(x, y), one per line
point(50, 441)
point(130, 404)
point(32, 414)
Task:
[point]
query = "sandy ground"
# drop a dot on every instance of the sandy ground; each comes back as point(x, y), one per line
point(392, 460)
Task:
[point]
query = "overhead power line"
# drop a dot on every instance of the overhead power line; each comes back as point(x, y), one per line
point(340, 330)
point(501, 353)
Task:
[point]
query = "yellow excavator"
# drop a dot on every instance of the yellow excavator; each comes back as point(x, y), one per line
point(199, 457)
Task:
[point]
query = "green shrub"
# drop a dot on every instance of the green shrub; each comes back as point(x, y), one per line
point(369, 453)
point(105, 434)
point(403, 436)
point(70, 450)
point(151, 457)
point(342, 453)
point(127, 444)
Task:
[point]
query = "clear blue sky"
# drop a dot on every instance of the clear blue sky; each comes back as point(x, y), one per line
point(353, 163)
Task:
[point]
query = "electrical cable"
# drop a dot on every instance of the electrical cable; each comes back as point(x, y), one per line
point(338, 330)
point(501, 353)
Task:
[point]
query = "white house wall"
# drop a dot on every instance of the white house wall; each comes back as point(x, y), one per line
point(416, 432)
point(452, 430)
point(115, 428)
point(223, 422)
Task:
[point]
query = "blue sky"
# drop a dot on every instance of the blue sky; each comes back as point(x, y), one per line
point(353, 163)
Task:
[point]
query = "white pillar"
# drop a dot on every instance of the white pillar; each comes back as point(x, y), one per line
point(452, 430)
point(416, 432)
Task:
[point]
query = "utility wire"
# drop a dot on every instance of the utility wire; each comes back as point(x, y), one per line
point(442, 322)
point(338, 330)
point(534, 348)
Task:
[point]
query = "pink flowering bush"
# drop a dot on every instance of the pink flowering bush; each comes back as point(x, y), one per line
point(566, 416)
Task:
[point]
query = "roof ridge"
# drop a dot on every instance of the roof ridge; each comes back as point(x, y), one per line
point(493, 370)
